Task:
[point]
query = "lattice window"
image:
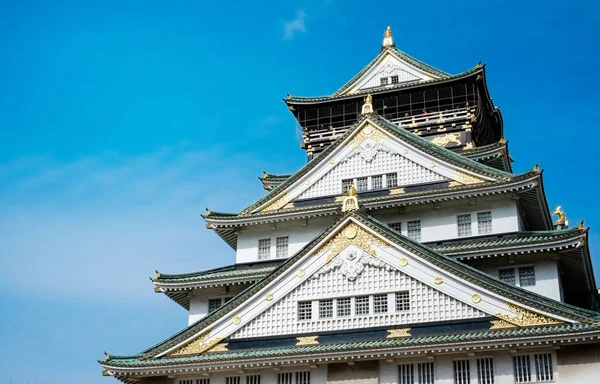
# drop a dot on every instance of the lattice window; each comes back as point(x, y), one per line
point(526, 276)
point(383, 81)
point(253, 379)
point(304, 310)
point(346, 184)
point(214, 304)
point(414, 230)
point(233, 380)
point(462, 375)
point(362, 184)
point(543, 367)
point(402, 301)
point(281, 246)
point(425, 371)
point(507, 275)
point(522, 369)
point(484, 222)
point(406, 374)
point(325, 309)
point(485, 371)
point(264, 249)
point(395, 79)
point(396, 226)
point(391, 180)
point(361, 304)
point(464, 225)
point(344, 307)
point(377, 182)
point(380, 303)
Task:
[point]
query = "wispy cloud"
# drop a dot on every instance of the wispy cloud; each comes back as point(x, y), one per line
point(293, 27)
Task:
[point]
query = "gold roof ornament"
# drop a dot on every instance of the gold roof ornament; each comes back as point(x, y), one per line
point(388, 41)
point(581, 226)
point(208, 212)
point(562, 217)
point(536, 169)
point(350, 202)
point(106, 356)
point(368, 105)
point(157, 276)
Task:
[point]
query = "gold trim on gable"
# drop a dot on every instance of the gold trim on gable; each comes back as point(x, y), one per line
point(464, 178)
point(198, 345)
point(307, 340)
point(277, 204)
point(367, 132)
point(351, 234)
point(524, 317)
point(397, 333)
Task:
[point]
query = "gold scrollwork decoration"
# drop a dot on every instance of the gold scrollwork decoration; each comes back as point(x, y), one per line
point(368, 132)
point(524, 317)
point(442, 141)
point(198, 345)
point(221, 347)
point(501, 324)
point(277, 204)
point(464, 178)
point(307, 340)
point(361, 238)
point(397, 333)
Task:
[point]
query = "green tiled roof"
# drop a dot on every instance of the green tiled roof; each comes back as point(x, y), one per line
point(228, 272)
point(382, 344)
point(460, 270)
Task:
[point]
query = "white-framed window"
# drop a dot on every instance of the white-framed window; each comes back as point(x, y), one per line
point(414, 230)
point(380, 303)
point(377, 182)
point(302, 377)
point(253, 379)
point(396, 226)
point(543, 367)
point(233, 380)
point(391, 180)
point(361, 305)
point(485, 371)
point(419, 373)
point(205, 380)
point(534, 368)
point(462, 374)
point(344, 306)
point(519, 276)
point(383, 81)
point(362, 184)
point(281, 246)
point(304, 310)
point(484, 222)
point(346, 184)
point(464, 225)
point(325, 309)
point(402, 301)
point(522, 366)
point(264, 249)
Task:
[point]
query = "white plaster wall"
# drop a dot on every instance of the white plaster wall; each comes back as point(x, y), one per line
point(547, 281)
point(299, 235)
point(579, 365)
point(441, 224)
point(269, 376)
point(198, 309)
point(200, 297)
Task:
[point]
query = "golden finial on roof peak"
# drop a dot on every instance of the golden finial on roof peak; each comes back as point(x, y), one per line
point(368, 105)
point(387, 37)
point(581, 226)
point(562, 217)
point(208, 212)
point(350, 202)
point(106, 356)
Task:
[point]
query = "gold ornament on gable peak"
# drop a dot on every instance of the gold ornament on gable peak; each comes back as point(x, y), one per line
point(367, 132)
point(351, 234)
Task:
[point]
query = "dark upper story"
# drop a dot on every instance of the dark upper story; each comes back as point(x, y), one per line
point(454, 111)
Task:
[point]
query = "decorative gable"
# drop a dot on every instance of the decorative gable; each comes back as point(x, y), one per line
point(387, 71)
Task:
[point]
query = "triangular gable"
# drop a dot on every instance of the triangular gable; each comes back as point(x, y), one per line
point(392, 149)
point(391, 62)
point(514, 307)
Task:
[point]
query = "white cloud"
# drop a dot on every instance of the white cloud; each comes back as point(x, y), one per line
point(293, 27)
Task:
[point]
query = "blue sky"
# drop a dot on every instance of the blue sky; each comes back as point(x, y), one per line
point(120, 121)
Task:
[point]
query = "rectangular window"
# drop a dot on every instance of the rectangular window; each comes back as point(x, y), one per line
point(522, 369)
point(462, 375)
point(406, 374)
point(507, 275)
point(377, 182)
point(303, 377)
point(194, 381)
point(362, 305)
point(344, 306)
point(402, 301)
point(543, 367)
point(485, 371)
point(304, 310)
point(362, 184)
point(383, 81)
point(380, 303)
point(391, 180)
point(395, 79)
point(414, 230)
point(325, 309)
point(285, 378)
point(264, 249)
point(346, 184)
point(253, 379)
point(526, 276)
point(281, 246)
point(464, 225)
point(232, 380)
point(484, 222)
point(214, 304)
point(425, 371)
point(396, 227)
